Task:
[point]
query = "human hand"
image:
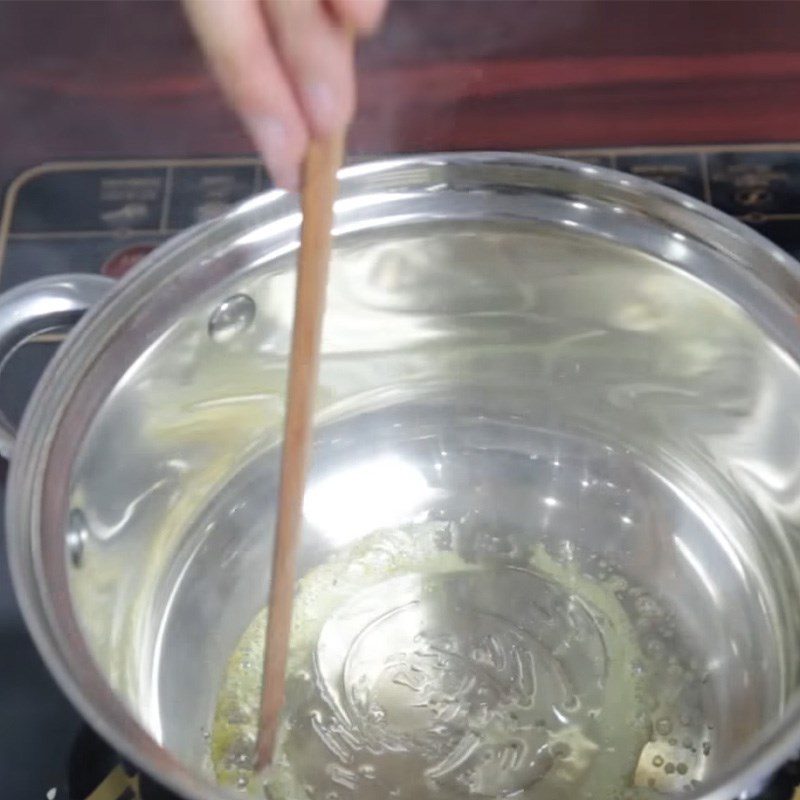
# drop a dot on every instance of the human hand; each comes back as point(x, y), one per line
point(286, 67)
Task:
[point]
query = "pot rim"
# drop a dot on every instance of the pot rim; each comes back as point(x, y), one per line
point(90, 693)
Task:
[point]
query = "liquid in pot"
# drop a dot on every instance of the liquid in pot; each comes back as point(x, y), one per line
point(415, 673)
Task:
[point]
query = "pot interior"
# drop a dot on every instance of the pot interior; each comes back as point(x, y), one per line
point(551, 525)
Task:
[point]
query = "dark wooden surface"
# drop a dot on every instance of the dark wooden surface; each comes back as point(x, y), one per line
point(121, 77)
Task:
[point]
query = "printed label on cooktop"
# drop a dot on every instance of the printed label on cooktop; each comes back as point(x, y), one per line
point(199, 194)
point(683, 172)
point(90, 200)
point(755, 185)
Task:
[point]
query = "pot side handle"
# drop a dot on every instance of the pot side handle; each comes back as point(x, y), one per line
point(41, 305)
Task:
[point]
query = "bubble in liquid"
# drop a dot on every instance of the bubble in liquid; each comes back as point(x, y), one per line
point(560, 750)
point(241, 782)
point(572, 703)
point(669, 768)
point(658, 761)
point(565, 551)
point(682, 768)
point(646, 606)
point(655, 648)
point(664, 726)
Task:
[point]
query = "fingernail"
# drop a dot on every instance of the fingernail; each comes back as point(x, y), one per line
point(322, 107)
point(271, 140)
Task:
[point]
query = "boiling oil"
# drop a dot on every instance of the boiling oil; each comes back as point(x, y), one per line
point(416, 673)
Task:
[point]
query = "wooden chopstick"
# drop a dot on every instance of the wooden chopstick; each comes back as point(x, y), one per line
point(319, 188)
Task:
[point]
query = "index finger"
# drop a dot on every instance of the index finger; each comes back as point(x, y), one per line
point(235, 40)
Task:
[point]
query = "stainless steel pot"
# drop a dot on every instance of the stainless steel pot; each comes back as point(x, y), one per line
point(536, 348)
